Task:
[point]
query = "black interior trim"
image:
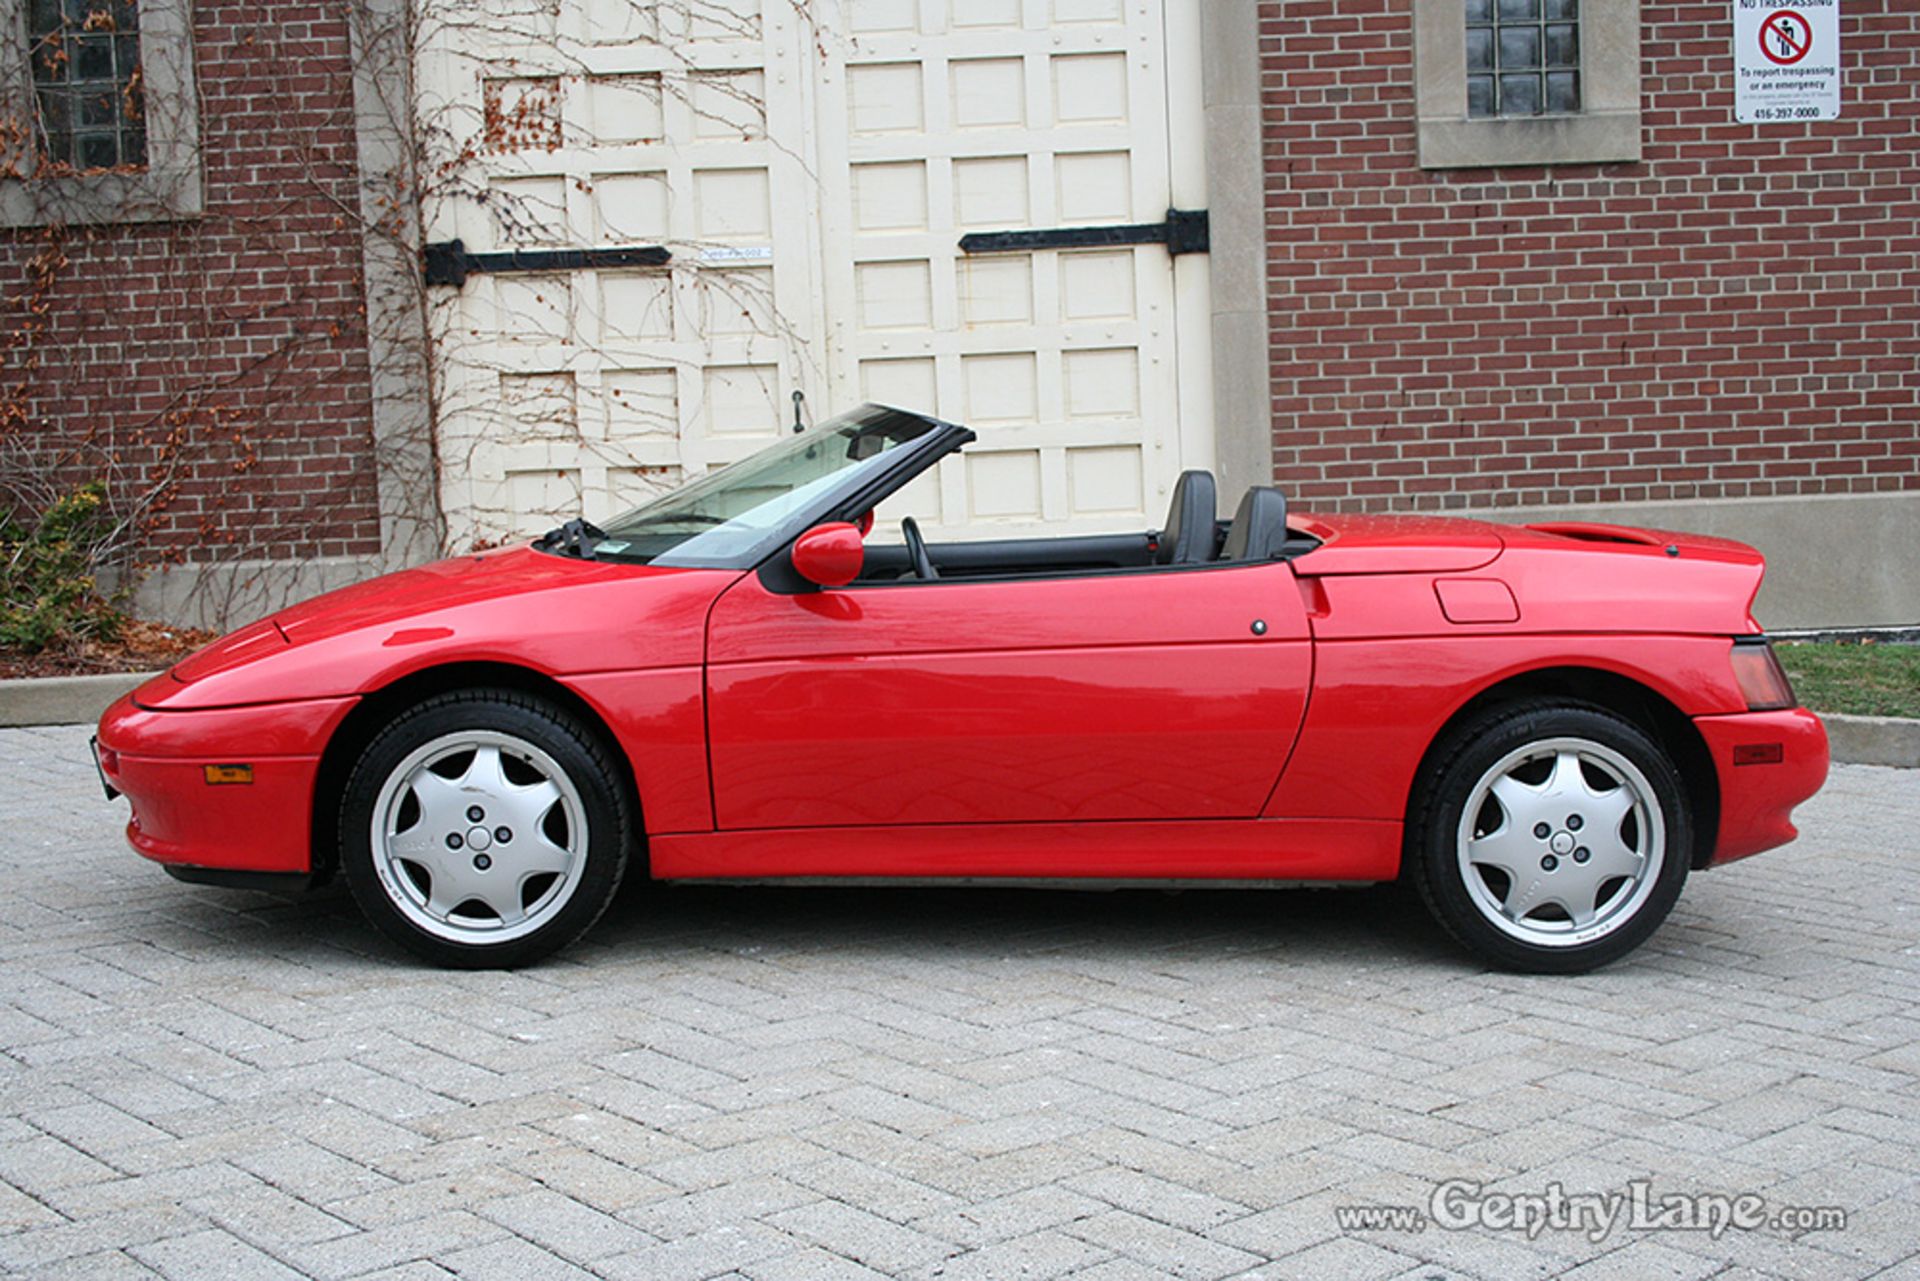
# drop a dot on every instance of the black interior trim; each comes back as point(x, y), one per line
point(1019, 559)
point(1014, 555)
point(1191, 532)
point(1259, 529)
point(1263, 537)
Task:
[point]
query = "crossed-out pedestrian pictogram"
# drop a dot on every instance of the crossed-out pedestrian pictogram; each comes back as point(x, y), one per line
point(1785, 37)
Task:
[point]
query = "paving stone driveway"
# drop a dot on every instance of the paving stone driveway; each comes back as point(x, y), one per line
point(817, 1083)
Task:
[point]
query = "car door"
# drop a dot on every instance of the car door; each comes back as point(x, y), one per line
point(1170, 693)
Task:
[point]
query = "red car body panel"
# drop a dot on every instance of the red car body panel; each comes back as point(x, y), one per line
point(1367, 544)
point(550, 614)
point(659, 718)
point(1561, 586)
point(1285, 849)
point(1757, 800)
point(1261, 720)
point(159, 758)
point(1025, 701)
point(1378, 705)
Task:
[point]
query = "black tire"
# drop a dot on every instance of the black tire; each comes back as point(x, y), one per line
point(495, 889)
point(1529, 920)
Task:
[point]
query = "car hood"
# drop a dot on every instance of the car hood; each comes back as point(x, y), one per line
point(447, 585)
point(555, 614)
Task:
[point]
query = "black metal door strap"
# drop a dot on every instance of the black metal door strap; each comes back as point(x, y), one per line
point(447, 262)
point(1184, 232)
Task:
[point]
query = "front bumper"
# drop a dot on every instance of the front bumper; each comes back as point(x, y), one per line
point(1757, 799)
point(158, 760)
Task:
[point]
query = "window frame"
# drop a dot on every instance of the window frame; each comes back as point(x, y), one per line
point(169, 189)
point(1607, 128)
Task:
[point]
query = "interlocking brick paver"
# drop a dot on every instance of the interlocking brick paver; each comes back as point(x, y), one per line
point(108, 1265)
point(1347, 1258)
point(811, 1264)
point(1036, 1254)
point(211, 1255)
point(1159, 1199)
point(809, 1085)
point(722, 1247)
point(1034, 1210)
point(512, 1257)
point(1176, 1252)
point(564, 1226)
point(865, 1238)
point(37, 1249)
point(437, 1236)
point(269, 1218)
point(885, 1193)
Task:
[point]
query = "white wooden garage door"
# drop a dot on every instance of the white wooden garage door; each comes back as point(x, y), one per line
point(811, 168)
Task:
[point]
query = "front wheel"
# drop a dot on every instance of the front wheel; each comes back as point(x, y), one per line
point(483, 829)
point(1550, 838)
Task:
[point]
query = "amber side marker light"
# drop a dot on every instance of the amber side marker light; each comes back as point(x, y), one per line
point(1762, 680)
point(1759, 753)
point(218, 774)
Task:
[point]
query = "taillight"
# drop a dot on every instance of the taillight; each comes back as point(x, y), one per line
point(1762, 680)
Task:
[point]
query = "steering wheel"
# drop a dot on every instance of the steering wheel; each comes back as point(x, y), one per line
point(917, 549)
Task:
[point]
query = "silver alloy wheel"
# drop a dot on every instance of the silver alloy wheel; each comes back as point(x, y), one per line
point(479, 837)
point(1561, 842)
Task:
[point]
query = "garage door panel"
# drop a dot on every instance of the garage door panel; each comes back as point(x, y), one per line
point(624, 110)
point(995, 291)
point(606, 122)
point(1062, 361)
point(890, 196)
point(812, 184)
point(991, 192)
point(636, 306)
point(902, 381)
point(614, 22)
point(631, 208)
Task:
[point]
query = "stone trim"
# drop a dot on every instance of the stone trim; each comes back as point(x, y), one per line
point(228, 594)
point(1608, 129)
point(411, 526)
point(1236, 187)
point(171, 186)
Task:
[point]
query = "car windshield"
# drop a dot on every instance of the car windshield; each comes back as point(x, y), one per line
point(733, 517)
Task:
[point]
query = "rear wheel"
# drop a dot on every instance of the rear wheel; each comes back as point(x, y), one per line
point(484, 828)
point(1549, 837)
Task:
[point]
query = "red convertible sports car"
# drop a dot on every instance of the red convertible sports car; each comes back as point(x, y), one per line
point(1543, 728)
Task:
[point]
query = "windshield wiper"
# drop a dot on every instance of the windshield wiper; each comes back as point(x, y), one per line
point(575, 538)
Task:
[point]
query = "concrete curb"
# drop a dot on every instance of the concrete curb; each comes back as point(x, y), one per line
point(64, 700)
point(73, 700)
point(1873, 740)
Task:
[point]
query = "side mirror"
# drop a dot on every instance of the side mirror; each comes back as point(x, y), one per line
point(829, 555)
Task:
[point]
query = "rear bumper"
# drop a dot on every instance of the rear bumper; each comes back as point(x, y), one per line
point(158, 760)
point(1757, 800)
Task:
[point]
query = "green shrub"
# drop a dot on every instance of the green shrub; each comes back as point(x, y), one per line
point(48, 593)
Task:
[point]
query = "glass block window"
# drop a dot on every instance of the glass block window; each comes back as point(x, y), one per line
point(87, 83)
point(1523, 57)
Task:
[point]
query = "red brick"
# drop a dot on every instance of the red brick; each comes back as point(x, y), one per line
point(1740, 284)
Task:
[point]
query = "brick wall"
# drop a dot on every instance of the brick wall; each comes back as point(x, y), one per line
point(234, 341)
point(1738, 315)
